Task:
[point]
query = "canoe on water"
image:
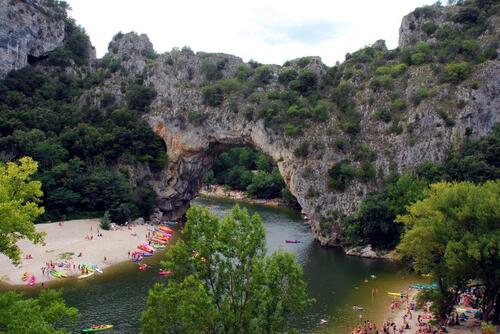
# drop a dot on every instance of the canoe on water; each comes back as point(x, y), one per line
point(86, 275)
point(292, 241)
point(397, 294)
point(97, 328)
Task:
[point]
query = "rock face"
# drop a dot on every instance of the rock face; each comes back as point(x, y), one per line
point(196, 133)
point(28, 29)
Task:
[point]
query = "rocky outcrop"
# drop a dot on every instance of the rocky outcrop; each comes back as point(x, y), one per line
point(29, 29)
point(368, 252)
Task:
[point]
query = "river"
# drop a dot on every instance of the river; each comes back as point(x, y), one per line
point(335, 280)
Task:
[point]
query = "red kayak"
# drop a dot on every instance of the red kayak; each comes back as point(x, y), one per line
point(146, 248)
point(166, 273)
point(159, 241)
point(166, 229)
point(143, 267)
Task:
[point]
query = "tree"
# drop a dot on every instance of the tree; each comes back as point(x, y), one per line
point(220, 266)
point(105, 221)
point(454, 234)
point(19, 206)
point(47, 314)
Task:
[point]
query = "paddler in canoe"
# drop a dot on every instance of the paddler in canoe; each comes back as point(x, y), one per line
point(97, 328)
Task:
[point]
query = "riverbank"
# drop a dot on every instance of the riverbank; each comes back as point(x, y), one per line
point(65, 241)
point(397, 311)
point(218, 191)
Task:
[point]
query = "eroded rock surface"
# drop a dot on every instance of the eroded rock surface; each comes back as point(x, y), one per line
point(29, 29)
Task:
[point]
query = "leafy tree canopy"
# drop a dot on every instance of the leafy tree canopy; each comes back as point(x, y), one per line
point(224, 282)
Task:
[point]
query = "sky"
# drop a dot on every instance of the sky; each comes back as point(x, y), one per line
point(267, 31)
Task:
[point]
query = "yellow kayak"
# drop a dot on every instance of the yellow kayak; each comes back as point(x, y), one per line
point(396, 294)
point(86, 275)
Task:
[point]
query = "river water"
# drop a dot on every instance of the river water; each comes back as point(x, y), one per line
point(335, 280)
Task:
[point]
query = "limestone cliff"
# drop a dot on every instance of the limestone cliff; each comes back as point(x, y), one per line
point(29, 29)
point(387, 120)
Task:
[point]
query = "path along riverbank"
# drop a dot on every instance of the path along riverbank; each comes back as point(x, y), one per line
point(65, 241)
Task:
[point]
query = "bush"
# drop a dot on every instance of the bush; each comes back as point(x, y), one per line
point(429, 28)
point(212, 95)
point(341, 174)
point(456, 72)
point(367, 172)
point(105, 223)
point(139, 97)
point(306, 82)
point(263, 74)
point(287, 75)
point(211, 71)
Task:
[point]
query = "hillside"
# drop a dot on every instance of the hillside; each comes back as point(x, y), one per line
point(336, 133)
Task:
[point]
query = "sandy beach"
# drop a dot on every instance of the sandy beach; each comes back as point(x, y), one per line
point(72, 237)
point(471, 326)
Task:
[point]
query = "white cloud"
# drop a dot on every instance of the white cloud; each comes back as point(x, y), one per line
point(269, 31)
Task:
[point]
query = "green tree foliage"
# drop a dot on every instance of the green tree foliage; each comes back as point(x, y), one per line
point(139, 97)
point(213, 95)
point(46, 313)
point(224, 282)
point(19, 206)
point(454, 234)
point(76, 146)
point(243, 168)
point(341, 174)
point(373, 223)
point(105, 221)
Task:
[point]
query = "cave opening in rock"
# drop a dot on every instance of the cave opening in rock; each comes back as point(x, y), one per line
point(242, 172)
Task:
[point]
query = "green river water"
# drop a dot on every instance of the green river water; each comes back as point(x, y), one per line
point(335, 280)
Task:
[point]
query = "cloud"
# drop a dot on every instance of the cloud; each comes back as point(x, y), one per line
point(269, 31)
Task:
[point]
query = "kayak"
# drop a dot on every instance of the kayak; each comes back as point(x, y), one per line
point(97, 328)
point(26, 276)
point(171, 223)
point(159, 241)
point(146, 248)
point(137, 259)
point(166, 229)
point(157, 246)
point(147, 254)
point(88, 267)
point(166, 273)
point(57, 273)
point(162, 236)
point(292, 241)
point(32, 280)
point(86, 275)
point(396, 294)
point(143, 267)
point(96, 268)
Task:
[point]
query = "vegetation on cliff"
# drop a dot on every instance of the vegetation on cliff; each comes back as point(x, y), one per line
point(83, 151)
point(375, 220)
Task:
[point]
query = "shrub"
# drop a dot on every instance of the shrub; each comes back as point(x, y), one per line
point(291, 130)
point(429, 28)
point(211, 71)
point(456, 72)
point(196, 117)
point(366, 171)
point(263, 74)
point(398, 105)
point(341, 143)
point(139, 97)
point(212, 95)
point(287, 75)
point(420, 94)
point(341, 174)
point(105, 223)
point(383, 115)
point(306, 82)
point(445, 117)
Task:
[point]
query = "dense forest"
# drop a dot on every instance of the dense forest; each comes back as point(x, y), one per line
point(84, 153)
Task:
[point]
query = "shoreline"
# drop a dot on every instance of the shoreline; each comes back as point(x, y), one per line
point(218, 191)
point(62, 245)
point(397, 316)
